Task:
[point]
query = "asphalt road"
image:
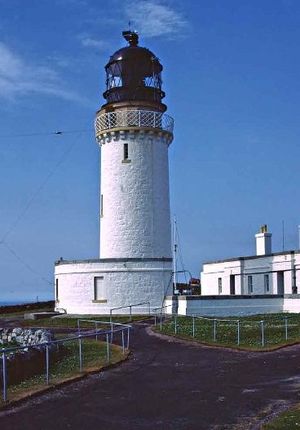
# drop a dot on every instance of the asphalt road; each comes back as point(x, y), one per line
point(169, 385)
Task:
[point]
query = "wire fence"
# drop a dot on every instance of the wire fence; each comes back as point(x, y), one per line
point(119, 308)
point(29, 367)
point(268, 332)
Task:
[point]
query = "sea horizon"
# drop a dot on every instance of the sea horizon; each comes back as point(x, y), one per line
point(14, 302)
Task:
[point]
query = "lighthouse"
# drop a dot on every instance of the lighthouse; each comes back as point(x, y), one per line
point(134, 133)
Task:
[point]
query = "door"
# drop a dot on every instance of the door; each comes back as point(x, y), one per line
point(232, 284)
point(280, 282)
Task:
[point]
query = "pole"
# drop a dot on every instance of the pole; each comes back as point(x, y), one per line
point(174, 257)
point(123, 342)
point(193, 327)
point(128, 331)
point(80, 353)
point(160, 324)
point(4, 377)
point(262, 333)
point(96, 328)
point(286, 328)
point(78, 327)
point(47, 364)
point(175, 324)
point(238, 332)
point(111, 332)
point(107, 349)
point(149, 309)
point(215, 330)
point(130, 312)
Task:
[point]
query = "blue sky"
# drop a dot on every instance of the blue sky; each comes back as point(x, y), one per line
point(231, 74)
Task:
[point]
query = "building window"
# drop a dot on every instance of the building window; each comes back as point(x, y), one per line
point(99, 291)
point(250, 285)
point(56, 289)
point(125, 151)
point(219, 285)
point(267, 283)
point(101, 206)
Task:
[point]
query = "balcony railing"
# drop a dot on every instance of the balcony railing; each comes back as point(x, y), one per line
point(133, 118)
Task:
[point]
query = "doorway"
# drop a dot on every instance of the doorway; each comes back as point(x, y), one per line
point(280, 282)
point(232, 284)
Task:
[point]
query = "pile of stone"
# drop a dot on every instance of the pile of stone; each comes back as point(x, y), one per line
point(26, 362)
point(23, 337)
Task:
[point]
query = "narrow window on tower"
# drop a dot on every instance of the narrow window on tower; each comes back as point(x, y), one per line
point(101, 206)
point(125, 153)
point(56, 290)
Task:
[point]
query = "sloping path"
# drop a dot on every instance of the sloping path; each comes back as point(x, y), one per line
point(169, 385)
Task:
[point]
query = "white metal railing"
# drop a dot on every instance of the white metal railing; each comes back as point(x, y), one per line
point(134, 118)
point(98, 333)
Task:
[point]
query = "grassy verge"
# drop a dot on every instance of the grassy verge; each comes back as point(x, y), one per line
point(66, 367)
point(226, 332)
point(288, 420)
point(71, 322)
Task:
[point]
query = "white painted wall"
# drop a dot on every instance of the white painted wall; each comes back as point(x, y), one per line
point(136, 208)
point(231, 306)
point(124, 283)
point(288, 263)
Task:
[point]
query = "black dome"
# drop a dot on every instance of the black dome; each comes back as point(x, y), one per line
point(133, 73)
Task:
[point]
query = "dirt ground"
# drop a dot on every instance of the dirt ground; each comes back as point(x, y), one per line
point(169, 384)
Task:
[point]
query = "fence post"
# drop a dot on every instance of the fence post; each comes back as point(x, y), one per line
point(47, 364)
point(123, 342)
point(262, 333)
point(175, 324)
point(96, 328)
point(130, 312)
point(215, 330)
point(80, 353)
point(193, 328)
point(107, 349)
point(160, 324)
point(128, 331)
point(155, 322)
point(111, 332)
point(286, 328)
point(149, 309)
point(238, 332)
point(78, 327)
point(4, 377)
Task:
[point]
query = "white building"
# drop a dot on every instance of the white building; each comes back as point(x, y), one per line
point(263, 283)
point(265, 273)
point(134, 133)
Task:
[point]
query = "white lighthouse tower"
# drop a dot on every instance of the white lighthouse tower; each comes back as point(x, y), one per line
point(134, 133)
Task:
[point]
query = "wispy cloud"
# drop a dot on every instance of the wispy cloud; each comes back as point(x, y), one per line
point(19, 77)
point(152, 19)
point(90, 42)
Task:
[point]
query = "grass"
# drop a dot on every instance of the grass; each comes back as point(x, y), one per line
point(288, 420)
point(227, 331)
point(71, 321)
point(66, 367)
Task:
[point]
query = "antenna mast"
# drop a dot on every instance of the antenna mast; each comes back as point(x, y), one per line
point(175, 254)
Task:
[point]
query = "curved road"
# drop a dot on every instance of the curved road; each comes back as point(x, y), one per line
point(169, 384)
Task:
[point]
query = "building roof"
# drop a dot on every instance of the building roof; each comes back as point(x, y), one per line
point(252, 257)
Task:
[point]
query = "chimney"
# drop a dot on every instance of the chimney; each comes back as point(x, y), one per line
point(263, 241)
